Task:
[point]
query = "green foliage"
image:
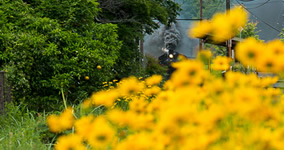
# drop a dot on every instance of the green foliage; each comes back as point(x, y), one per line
point(191, 8)
point(135, 18)
point(153, 67)
point(44, 50)
point(249, 30)
point(281, 35)
point(20, 130)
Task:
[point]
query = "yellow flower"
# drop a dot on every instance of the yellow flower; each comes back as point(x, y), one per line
point(152, 91)
point(130, 86)
point(200, 29)
point(101, 134)
point(274, 50)
point(53, 123)
point(105, 98)
point(83, 126)
point(68, 142)
point(118, 117)
point(267, 63)
point(221, 28)
point(188, 73)
point(60, 123)
point(249, 51)
point(221, 63)
point(268, 81)
point(138, 105)
point(153, 80)
point(67, 119)
point(237, 17)
point(138, 141)
point(276, 47)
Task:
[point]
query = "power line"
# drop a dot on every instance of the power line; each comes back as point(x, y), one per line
point(256, 3)
point(189, 19)
point(259, 18)
point(260, 5)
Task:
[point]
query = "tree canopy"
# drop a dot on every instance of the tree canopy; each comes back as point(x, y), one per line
point(191, 8)
point(134, 19)
point(48, 46)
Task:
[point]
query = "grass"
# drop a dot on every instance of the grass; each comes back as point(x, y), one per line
point(21, 131)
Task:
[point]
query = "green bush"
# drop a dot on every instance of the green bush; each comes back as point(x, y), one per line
point(49, 45)
point(153, 67)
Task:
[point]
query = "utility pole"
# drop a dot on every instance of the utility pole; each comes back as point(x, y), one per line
point(229, 42)
point(200, 40)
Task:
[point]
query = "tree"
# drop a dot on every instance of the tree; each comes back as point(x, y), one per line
point(48, 46)
point(281, 35)
point(191, 8)
point(134, 19)
point(249, 30)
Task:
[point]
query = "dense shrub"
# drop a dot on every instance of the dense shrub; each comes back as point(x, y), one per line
point(49, 46)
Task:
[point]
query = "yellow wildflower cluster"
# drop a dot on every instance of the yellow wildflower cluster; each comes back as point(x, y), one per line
point(97, 132)
point(155, 79)
point(222, 26)
point(60, 123)
point(265, 57)
point(125, 89)
point(193, 110)
point(221, 63)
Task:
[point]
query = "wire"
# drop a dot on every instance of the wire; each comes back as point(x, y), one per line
point(256, 3)
point(259, 18)
point(259, 5)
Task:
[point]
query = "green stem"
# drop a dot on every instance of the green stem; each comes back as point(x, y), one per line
point(64, 100)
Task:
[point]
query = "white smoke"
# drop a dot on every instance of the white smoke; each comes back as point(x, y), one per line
point(171, 37)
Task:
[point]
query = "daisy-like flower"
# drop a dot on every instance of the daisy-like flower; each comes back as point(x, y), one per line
point(130, 86)
point(83, 126)
point(101, 134)
point(221, 63)
point(237, 17)
point(153, 80)
point(221, 28)
point(60, 123)
point(200, 29)
point(69, 142)
point(249, 51)
point(105, 98)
